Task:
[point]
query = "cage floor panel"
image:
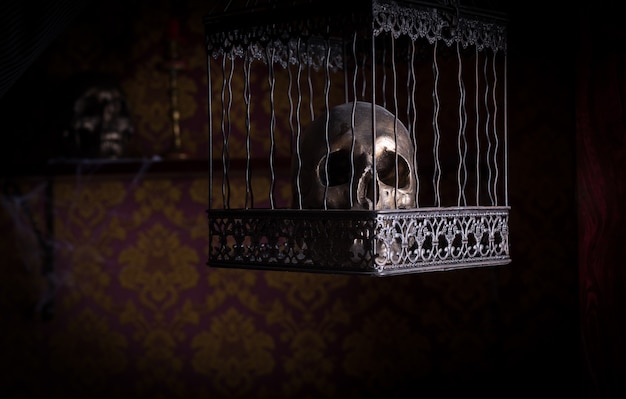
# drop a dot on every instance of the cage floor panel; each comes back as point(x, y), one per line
point(377, 243)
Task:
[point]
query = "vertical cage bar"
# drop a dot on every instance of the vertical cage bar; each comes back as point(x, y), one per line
point(298, 188)
point(506, 132)
point(352, 121)
point(247, 63)
point(225, 138)
point(487, 135)
point(437, 134)
point(210, 127)
point(326, 124)
point(374, 168)
point(477, 132)
point(495, 132)
point(395, 120)
point(461, 141)
point(413, 123)
point(271, 81)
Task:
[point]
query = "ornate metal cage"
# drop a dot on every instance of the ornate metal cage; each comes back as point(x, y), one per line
point(433, 73)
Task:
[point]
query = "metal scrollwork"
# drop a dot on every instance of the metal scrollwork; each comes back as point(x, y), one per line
point(433, 25)
point(305, 42)
point(441, 239)
point(376, 242)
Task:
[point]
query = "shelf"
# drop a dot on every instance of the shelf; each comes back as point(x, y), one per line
point(73, 166)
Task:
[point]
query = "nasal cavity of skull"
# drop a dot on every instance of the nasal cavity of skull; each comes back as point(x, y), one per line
point(387, 171)
point(339, 168)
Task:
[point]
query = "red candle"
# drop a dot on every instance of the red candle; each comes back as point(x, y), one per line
point(174, 29)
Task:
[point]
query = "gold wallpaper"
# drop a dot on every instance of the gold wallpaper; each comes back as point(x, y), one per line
point(133, 300)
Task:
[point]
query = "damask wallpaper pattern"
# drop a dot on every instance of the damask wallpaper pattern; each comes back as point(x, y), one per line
point(137, 314)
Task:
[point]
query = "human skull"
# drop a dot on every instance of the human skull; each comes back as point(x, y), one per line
point(322, 181)
point(101, 125)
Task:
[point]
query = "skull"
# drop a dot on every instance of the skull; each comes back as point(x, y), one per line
point(101, 124)
point(334, 174)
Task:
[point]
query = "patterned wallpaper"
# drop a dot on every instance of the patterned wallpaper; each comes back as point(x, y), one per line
point(136, 312)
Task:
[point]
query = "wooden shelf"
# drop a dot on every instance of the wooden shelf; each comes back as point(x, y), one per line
point(128, 166)
point(68, 167)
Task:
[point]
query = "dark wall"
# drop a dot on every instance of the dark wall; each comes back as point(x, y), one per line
point(543, 199)
point(601, 191)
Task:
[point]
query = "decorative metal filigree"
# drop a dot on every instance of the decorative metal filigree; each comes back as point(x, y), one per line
point(440, 239)
point(305, 41)
point(434, 25)
point(364, 242)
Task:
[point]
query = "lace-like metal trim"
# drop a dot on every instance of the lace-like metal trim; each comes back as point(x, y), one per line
point(441, 239)
point(363, 242)
point(302, 41)
point(313, 52)
point(434, 24)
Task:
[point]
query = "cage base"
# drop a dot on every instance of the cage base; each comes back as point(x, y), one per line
point(379, 243)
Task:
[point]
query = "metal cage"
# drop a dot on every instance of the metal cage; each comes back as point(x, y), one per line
point(434, 73)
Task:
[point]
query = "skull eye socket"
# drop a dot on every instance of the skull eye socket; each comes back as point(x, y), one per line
point(88, 107)
point(339, 168)
point(386, 168)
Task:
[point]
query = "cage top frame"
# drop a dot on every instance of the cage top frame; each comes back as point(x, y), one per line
point(280, 20)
